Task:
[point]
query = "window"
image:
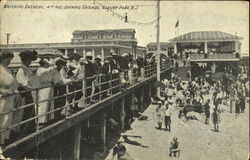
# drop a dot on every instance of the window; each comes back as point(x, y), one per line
point(163, 49)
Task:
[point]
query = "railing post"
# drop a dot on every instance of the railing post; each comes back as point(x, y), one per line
point(122, 113)
point(36, 110)
point(149, 90)
point(67, 101)
point(142, 98)
point(103, 129)
point(77, 142)
point(110, 84)
point(84, 91)
point(100, 86)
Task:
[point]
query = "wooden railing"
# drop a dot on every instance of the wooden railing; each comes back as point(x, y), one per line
point(213, 56)
point(113, 83)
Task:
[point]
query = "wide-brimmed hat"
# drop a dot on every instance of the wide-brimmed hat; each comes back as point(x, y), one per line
point(43, 62)
point(6, 54)
point(74, 56)
point(32, 55)
point(60, 61)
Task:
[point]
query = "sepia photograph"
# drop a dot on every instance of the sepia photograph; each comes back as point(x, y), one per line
point(124, 80)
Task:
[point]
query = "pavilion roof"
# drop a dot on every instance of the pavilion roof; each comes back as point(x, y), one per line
point(199, 36)
point(105, 30)
point(161, 44)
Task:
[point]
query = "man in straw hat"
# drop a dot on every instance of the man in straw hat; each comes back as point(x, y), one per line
point(97, 81)
point(90, 72)
point(60, 79)
point(106, 72)
point(76, 73)
point(115, 68)
point(114, 61)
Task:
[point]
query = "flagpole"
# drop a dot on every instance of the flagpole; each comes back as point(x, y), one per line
point(158, 46)
point(178, 26)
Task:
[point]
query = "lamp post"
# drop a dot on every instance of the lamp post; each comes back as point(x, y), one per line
point(158, 46)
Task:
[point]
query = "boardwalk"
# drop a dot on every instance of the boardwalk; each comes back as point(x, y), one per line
point(198, 141)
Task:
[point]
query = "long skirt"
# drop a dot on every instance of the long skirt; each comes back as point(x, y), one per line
point(59, 102)
point(18, 114)
point(167, 120)
point(28, 112)
point(46, 106)
point(6, 104)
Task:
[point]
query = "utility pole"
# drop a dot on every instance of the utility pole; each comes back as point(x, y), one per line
point(8, 38)
point(158, 46)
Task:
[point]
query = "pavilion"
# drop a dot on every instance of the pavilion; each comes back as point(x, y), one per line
point(215, 50)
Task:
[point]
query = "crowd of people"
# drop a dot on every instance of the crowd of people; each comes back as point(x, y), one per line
point(200, 96)
point(61, 85)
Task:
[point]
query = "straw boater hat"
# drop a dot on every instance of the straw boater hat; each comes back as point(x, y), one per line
point(114, 54)
point(32, 55)
point(89, 54)
point(125, 54)
point(82, 61)
point(106, 61)
point(98, 57)
point(159, 102)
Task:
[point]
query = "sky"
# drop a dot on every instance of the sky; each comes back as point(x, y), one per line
point(51, 25)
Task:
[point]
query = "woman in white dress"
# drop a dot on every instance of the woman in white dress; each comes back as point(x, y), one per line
point(44, 74)
point(159, 114)
point(27, 80)
point(8, 86)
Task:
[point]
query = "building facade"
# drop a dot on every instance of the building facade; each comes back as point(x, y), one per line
point(99, 42)
point(104, 42)
point(166, 48)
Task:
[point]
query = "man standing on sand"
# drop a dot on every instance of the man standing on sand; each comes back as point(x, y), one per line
point(207, 111)
point(216, 119)
point(168, 114)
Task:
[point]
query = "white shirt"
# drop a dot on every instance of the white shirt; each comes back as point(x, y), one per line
point(168, 112)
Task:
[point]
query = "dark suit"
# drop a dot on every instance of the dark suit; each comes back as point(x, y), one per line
point(90, 71)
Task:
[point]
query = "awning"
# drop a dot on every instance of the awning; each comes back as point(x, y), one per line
point(206, 36)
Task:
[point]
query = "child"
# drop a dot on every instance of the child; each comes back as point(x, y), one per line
point(174, 147)
point(216, 119)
